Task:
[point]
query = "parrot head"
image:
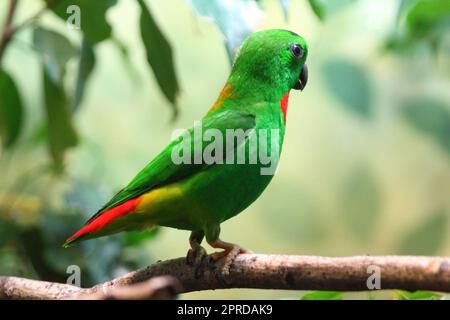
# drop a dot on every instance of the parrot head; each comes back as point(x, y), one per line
point(274, 60)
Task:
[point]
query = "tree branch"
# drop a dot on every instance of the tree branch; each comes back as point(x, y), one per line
point(7, 28)
point(158, 288)
point(263, 272)
point(48, 5)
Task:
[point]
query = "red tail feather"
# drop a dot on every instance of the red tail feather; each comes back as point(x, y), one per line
point(105, 218)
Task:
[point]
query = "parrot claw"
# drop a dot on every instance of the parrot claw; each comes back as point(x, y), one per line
point(229, 256)
point(210, 262)
point(222, 270)
point(197, 254)
point(229, 259)
point(195, 258)
point(217, 271)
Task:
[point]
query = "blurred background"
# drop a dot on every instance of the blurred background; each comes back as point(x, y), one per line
point(365, 166)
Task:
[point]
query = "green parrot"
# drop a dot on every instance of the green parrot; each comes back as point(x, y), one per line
point(200, 195)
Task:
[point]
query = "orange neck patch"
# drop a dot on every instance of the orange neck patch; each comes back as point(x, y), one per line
point(226, 93)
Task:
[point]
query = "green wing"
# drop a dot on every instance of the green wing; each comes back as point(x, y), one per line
point(162, 170)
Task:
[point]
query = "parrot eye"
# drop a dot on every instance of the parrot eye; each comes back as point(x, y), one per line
point(297, 51)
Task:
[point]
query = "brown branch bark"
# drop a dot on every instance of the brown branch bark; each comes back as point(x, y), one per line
point(158, 288)
point(263, 272)
point(7, 28)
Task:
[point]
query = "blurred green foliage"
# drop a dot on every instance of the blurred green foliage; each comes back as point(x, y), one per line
point(338, 190)
point(235, 19)
point(11, 109)
point(56, 51)
point(350, 84)
point(322, 295)
point(360, 203)
point(61, 133)
point(417, 295)
point(428, 237)
point(431, 117)
point(324, 8)
point(85, 68)
point(160, 60)
point(423, 21)
point(95, 27)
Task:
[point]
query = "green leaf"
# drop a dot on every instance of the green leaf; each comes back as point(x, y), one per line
point(429, 19)
point(324, 8)
point(285, 7)
point(127, 60)
point(350, 83)
point(9, 230)
point(34, 245)
point(428, 237)
point(318, 8)
point(11, 110)
point(85, 67)
point(360, 203)
point(403, 7)
point(323, 295)
point(40, 134)
point(420, 22)
point(416, 295)
point(235, 19)
point(159, 55)
point(93, 21)
point(56, 50)
point(61, 132)
point(431, 117)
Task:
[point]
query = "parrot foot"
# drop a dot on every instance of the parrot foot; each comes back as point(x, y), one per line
point(197, 254)
point(195, 258)
point(218, 271)
point(228, 255)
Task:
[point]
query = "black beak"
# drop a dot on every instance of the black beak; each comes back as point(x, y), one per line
point(302, 79)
